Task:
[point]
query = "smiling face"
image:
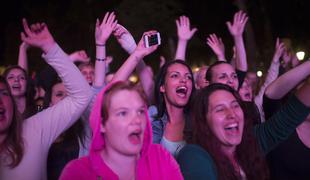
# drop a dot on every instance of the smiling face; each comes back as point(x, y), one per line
point(127, 117)
point(6, 109)
point(17, 81)
point(225, 118)
point(178, 85)
point(225, 74)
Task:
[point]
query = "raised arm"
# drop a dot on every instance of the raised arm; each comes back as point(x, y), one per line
point(22, 56)
point(102, 34)
point(217, 46)
point(144, 72)
point(287, 81)
point(51, 122)
point(185, 33)
point(236, 29)
point(130, 64)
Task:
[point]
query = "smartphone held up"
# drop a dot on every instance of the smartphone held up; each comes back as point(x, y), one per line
point(151, 40)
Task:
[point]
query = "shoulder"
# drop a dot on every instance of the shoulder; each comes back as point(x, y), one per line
point(77, 169)
point(196, 163)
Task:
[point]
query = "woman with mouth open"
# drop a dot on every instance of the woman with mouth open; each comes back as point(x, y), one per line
point(226, 145)
point(174, 87)
point(122, 146)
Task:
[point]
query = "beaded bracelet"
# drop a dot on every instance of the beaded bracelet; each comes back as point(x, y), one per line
point(100, 59)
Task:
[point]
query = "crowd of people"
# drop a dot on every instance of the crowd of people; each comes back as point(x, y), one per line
point(78, 120)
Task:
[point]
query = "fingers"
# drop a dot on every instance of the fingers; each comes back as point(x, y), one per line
point(26, 28)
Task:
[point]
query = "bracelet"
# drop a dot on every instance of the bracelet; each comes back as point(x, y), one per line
point(100, 45)
point(100, 59)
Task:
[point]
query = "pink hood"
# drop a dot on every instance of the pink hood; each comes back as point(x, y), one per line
point(154, 162)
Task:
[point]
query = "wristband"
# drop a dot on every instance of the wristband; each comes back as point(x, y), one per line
point(100, 59)
point(100, 45)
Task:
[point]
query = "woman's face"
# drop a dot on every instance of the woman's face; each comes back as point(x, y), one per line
point(178, 85)
point(58, 93)
point(88, 73)
point(225, 74)
point(6, 109)
point(225, 118)
point(245, 91)
point(17, 81)
point(124, 129)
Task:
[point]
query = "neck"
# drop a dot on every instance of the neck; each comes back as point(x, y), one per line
point(122, 165)
point(230, 153)
point(176, 114)
point(20, 103)
point(303, 131)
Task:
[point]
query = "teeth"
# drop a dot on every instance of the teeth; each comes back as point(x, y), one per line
point(233, 125)
point(182, 88)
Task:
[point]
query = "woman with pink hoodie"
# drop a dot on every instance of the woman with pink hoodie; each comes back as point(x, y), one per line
point(122, 146)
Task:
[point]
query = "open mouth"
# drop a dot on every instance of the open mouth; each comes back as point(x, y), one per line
point(15, 86)
point(232, 127)
point(181, 91)
point(247, 95)
point(135, 137)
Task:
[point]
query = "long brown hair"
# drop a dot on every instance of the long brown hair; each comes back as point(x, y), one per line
point(30, 108)
point(248, 153)
point(13, 143)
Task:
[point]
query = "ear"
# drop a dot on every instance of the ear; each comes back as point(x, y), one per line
point(102, 127)
point(162, 89)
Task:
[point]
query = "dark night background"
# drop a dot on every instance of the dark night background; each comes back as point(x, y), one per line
point(72, 22)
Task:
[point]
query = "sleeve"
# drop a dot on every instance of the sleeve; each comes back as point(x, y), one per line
point(157, 127)
point(196, 163)
point(50, 123)
point(278, 128)
point(272, 74)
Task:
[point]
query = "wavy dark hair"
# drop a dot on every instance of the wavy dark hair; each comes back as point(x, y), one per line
point(13, 144)
point(248, 152)
point(30, 107)
point(160, 80)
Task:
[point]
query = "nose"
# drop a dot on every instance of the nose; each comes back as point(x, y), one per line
point(137, 119)
point(230, 113)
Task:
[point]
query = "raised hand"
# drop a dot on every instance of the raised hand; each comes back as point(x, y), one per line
point(141, 50)
point(217, 45)
point(105, 28)
point(124, 38)
point(184, 28)
point(236, 27)
point(79, 56)
point(280, 47)
point(37, 35)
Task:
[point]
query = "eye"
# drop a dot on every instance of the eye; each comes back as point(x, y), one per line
point(141, 111)
point(189, 77)
point(223, 76)
point(234, 76)
point(174, 75)
point(59, 94)
point(5, 93)
point(235, 105)
point(121, 113)
point(22, 77)
point(219, 109)
point(10, 77)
